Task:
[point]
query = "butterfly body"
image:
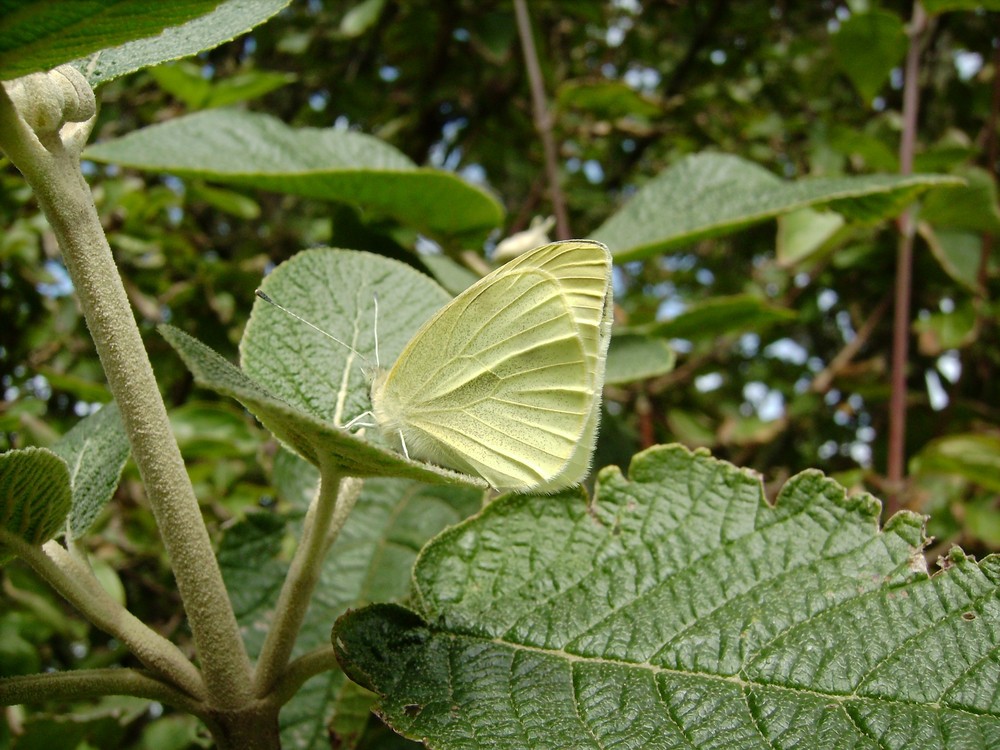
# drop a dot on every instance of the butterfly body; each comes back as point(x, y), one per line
point(505, 381)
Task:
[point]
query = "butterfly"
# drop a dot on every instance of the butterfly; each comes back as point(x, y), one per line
point(504, 382)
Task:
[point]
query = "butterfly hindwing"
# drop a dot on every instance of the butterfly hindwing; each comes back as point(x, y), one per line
point(505, 380)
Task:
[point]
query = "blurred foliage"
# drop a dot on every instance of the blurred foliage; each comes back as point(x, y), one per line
point(633, 90)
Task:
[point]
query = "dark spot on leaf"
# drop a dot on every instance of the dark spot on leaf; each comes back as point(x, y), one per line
point(969, 616)
point(412, 709)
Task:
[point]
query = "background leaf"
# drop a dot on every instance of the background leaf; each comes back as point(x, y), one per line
point(95, 451)
point(972, 456)
point(39, 35)
point(334, 290)
point(943, 6)
point(707, 195)
point(971, 206)
point(633, 357)
point(721, 315)
point(867, 47)
point(227, 21)
point(681, 608)
point(35, 496)
point(256, 150)
point(187, 82)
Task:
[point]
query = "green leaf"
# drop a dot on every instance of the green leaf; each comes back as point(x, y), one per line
point(708, 195)
point(804, 233)
point(680, 609)
point(95, 451)
point(870, 148)
point(232, 202)
point(606, 99)
point(453, 276)
point(185, 81)
point(982, 519)
point(361, 17)
point(975, 457)
point(35, 496)
point(693, 428)
point(717, 316)
point(229, 20)
point(370, 561)
point(106, 723)
point(39, 35)
point(310, 436)
point(633, 357)
point(971, 206)
point(334, 290)
point(206, 430)
point(944, 6)
point(958, 252)
point(939, 332)
point(867, 47)
point(256, 150)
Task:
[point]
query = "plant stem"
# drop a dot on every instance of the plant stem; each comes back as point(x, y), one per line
point(326, 516)
point(904, 269)
point(991, 149)
point(543, 118)
point(49, 161)
point(71, 686)
point(308, 665)
point(75, 581)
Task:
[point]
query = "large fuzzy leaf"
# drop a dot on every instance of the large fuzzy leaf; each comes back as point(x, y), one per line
point(257, 150)
point(95, 451)
point(34, 496)
point(708, 195)
point(679, 609)
point(38, 35)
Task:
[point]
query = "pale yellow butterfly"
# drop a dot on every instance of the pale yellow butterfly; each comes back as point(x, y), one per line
point(505, 381)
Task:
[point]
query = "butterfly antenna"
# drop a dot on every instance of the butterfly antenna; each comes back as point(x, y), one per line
point(315, 327)
point(377, 361)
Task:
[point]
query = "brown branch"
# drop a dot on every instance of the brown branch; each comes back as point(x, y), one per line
point(904, 268)
point(542, 118)
point(992, 155)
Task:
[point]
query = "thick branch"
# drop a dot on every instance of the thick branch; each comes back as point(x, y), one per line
point(48, 157)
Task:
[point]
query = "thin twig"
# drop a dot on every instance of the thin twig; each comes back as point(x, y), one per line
point(542, 118)
point(991, 149)
point(904, 268)
point(822, 382)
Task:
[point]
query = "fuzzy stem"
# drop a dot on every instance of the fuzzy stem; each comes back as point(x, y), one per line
point(71, 686)
point(310, 664)
point(326, 516)
point(75, 582)
point(49, 160)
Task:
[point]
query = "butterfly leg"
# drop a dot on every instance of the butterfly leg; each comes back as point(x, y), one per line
point(402, 442)
point(356, 422)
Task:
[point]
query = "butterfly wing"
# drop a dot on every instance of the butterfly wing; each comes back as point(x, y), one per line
point(505, 380)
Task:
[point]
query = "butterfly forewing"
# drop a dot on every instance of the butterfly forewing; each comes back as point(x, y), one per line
point(505, 380)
